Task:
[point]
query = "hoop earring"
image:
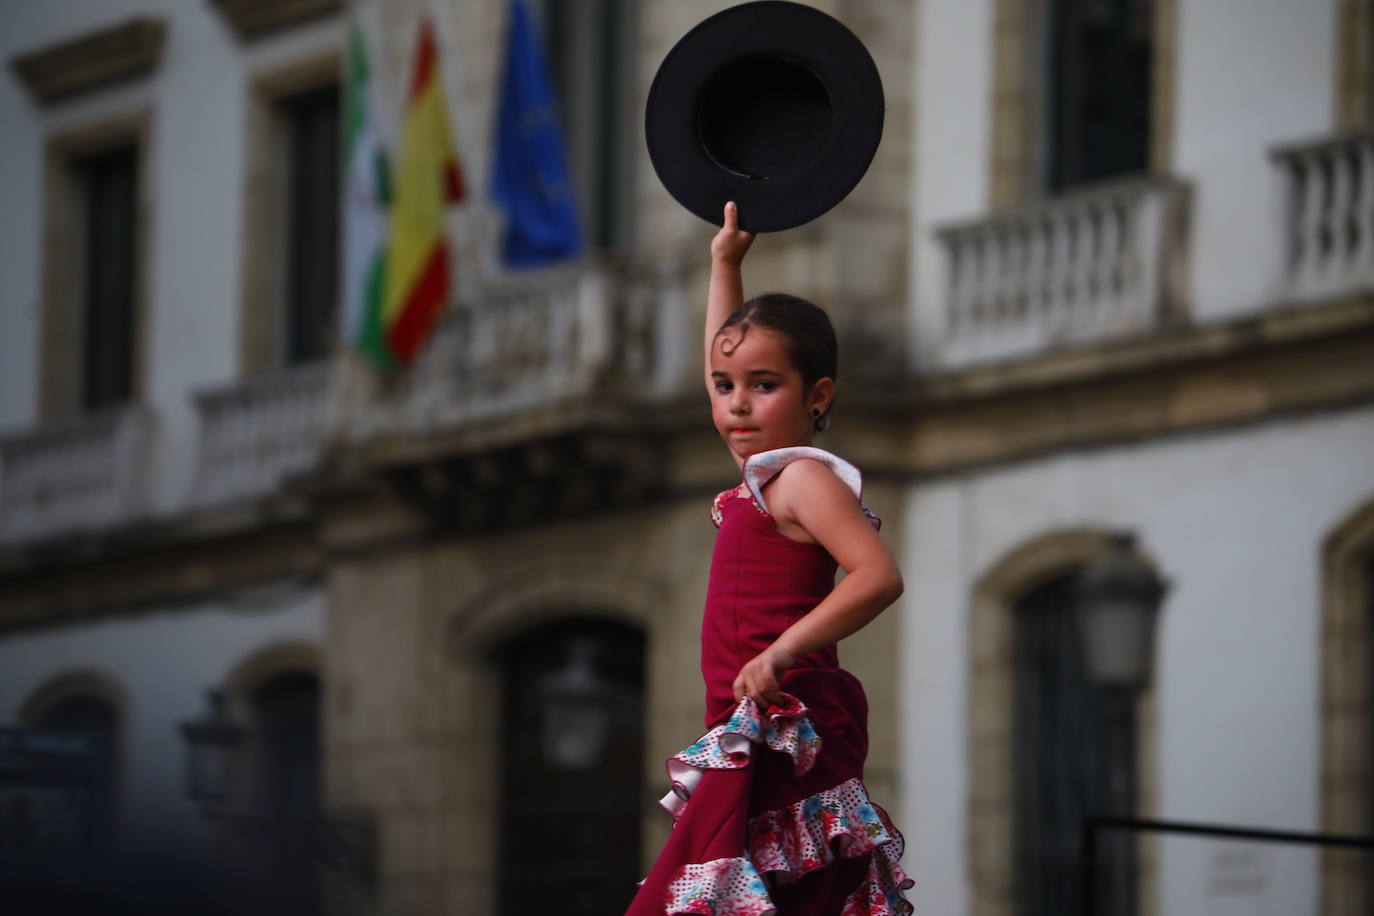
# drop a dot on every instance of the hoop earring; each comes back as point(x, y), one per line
point(822, 420)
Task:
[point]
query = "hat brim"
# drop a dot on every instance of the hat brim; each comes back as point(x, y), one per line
point(837, 144)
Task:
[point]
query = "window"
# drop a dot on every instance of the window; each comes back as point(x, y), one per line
point(286, 784)
point(92, 267)
point(1065, 751)
point(107, 183)
point(1098, 59)
point(1082, 90)
point(57, 791)
point(587, 43)
point(292, 188)
point(311, 139)
point(1368, 888)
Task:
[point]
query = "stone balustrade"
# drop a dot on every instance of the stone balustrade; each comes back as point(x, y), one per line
point(257, 431)
point(1329, 226)
point(530, 343)
point(1088, 265)
point(80, 475)
point(527, 344)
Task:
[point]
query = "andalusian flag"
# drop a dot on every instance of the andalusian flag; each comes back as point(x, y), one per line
point(365, 189)
point(427, 180)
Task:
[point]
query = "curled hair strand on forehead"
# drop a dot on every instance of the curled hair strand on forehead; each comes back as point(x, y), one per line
point(808, 337)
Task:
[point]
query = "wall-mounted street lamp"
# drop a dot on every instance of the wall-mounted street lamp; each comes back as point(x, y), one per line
point(213, 744)
point(1119, 597)
point(578, 707)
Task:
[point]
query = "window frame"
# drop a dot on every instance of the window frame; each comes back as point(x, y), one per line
point(62, 341)
point(1017, 166)
point(264, 306)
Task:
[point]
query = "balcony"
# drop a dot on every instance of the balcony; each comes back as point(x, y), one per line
point(81, 475)
point(256, 432)
point(538, 345)
point(1086, 266)
point(531, 346)
point(1329, 192)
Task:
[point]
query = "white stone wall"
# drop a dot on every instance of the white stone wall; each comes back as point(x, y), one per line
point(1235, 519)
point(1250, 75)
point(953, 96)
point(164, 659)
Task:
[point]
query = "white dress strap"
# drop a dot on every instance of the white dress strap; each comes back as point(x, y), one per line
point(763, 467)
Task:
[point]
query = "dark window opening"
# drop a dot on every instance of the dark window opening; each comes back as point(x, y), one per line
point(286, 718)
point(1065, 752)
point(58, 786)
point(1099, 67)
point(108, 188)
point(312, 220)
point(586, 42)
point(1369, 726)
point(571, 768)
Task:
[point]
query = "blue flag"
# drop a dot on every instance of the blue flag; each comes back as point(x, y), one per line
point(529, 178)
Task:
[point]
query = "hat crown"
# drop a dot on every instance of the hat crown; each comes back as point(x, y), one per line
point(764, 116)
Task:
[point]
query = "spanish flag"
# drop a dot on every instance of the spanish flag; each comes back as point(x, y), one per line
point(427, 179)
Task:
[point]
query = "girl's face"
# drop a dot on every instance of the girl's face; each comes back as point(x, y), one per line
point(759, 401)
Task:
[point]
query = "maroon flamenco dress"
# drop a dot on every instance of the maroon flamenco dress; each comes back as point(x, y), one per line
point(770, 813)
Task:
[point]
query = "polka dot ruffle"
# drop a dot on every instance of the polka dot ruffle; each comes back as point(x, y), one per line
point(724, 887)
point(729, 746)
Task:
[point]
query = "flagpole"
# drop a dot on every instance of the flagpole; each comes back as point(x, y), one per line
point(473, 217)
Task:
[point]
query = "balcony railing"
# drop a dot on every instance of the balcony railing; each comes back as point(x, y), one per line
point(256, 432)
point(536, 343)
point(531, 344)
point(80, 475)
point(1329, 189)
point(1089, 265)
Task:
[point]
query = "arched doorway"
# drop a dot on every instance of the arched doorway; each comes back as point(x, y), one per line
point(59, 788)
point(1025, 705)
point(285, 791)
point(1347, 710)
point(571, 789)
point(1069, 740)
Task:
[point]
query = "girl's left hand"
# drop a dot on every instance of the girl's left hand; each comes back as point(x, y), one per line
point(758, 679)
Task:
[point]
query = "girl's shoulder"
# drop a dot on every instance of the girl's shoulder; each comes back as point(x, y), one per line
point(760, 469)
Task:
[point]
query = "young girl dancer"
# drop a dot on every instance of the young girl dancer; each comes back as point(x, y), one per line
point(769, 807)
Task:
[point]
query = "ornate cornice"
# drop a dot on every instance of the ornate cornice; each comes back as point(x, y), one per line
point(557, 466)
point(255, 18)
point(95, 60)
point(1287, 360)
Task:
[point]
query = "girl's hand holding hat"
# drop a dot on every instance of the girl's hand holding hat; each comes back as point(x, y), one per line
point(731, 243)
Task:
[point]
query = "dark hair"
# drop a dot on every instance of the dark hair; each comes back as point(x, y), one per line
point(805, 328)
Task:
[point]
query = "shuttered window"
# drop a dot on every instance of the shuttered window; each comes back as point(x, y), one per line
point(1369, 726)
point(108, 185)
point(312, 241)
point(1098, 64)
point(286, 734)
point(589, 46)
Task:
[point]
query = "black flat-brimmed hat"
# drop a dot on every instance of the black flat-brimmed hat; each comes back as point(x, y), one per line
point(774, 105)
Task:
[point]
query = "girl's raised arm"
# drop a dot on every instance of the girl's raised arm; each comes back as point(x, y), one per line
point(726, 290)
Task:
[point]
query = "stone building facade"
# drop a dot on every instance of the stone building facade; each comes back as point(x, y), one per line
point(399, 584)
